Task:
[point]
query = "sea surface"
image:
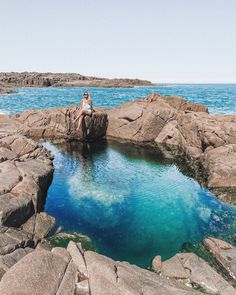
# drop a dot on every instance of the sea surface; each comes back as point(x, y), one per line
point(220, 98)
point(131, 202)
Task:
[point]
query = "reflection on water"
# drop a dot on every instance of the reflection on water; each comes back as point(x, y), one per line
point(131, 202)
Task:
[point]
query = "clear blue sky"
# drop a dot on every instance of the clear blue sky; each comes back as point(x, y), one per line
point(159, 40)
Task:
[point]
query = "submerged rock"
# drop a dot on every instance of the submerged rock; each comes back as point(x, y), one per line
point(62, 239)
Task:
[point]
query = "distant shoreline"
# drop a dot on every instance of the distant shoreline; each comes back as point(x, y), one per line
point(34, 79)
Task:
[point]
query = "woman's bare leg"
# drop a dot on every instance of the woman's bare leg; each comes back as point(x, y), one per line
point(79, 114)
point(80, 119)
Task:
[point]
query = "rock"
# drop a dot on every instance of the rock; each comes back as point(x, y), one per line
point(40, 272)
point(34, 79)
point(44, 245)
point(220, 163)
point(12, 239)
point(224, 253)
point(56, 272)
point(6, 154)
point(107, 277)
point(2, 272)
point(8, 260)
point(9, 177)
point(139, 121)
point(10, 126)
point(58, 123)
point(156, 264)
point(173, 268)
point(15, 210)
point(26, 173)
point(69, 281)
point(78, 258)
point(177, 103)
point(59, 251)
point(184, 132)
point(143, 120)
point(39, 225)
point(43, 225)
point(193, 270)
point(106, 83)
point(82, 288)
point(7, 91)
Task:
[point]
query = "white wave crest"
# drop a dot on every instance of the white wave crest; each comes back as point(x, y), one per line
point(3, 112)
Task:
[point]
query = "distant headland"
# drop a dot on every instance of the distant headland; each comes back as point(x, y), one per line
point(34, 79)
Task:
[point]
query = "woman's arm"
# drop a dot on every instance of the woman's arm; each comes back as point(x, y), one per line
point(91, 104)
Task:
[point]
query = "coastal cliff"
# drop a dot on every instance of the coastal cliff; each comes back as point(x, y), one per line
point(180, 130)
point(33, 79)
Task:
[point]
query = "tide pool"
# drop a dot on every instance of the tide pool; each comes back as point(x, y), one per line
point(132, 203)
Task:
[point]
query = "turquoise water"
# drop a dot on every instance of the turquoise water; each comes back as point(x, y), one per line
point(220, 98)
point(132, 203)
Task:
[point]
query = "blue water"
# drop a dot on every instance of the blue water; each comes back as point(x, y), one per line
point(133, 204)
point(130, 202)
point(220, 98)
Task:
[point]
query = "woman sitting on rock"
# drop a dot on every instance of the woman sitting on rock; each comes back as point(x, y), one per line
point(86, 108)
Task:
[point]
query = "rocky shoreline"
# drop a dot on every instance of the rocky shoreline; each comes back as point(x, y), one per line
point(7, 91)
point(203, 144)
point(179, 130)
point(33, 79)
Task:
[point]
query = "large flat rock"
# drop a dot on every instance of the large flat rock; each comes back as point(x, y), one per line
point(224, 253)
point(25, 175)
point(58, 123)
point(40, 272)
point(107, 277)
point(188, 268)
point(14, 238)
point(8, 260)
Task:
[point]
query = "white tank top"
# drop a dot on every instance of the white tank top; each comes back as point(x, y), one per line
point(86, 106)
